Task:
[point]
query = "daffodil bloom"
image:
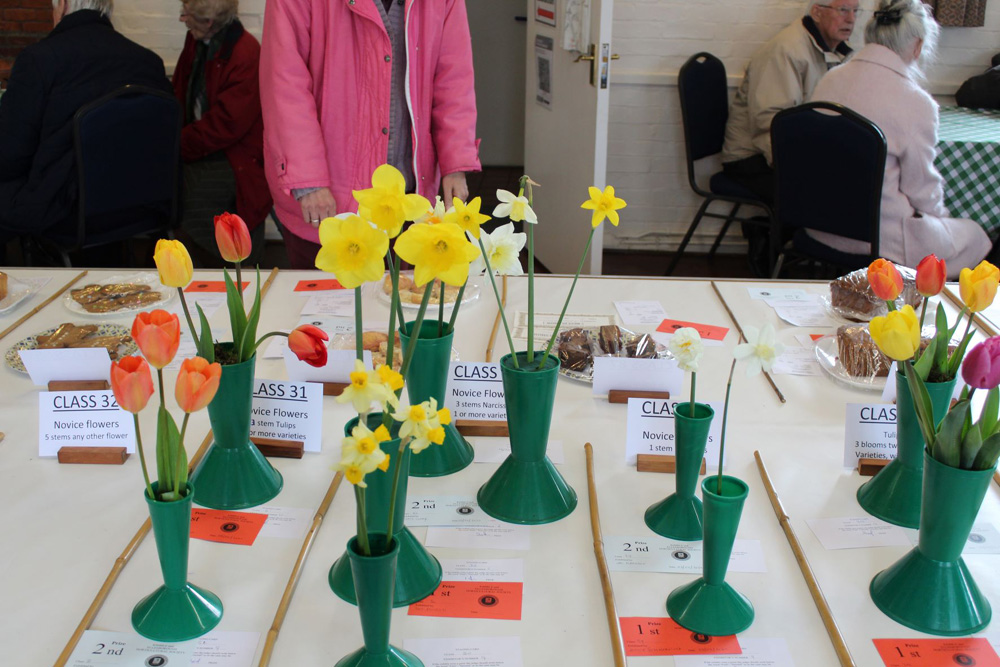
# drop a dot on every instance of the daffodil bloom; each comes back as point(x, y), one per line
point(514, 207)
point(467, 216)
point(386, 203)
point(604, 205)
point(503, 250)
point(390, 378)
point(435, 214)
point(422, 425)
point(352, 250)
point(687, 348)
point(897, 334)
point(444, 416)
point(436, 251)
point(360, 453)
point(760, 350)
point(366, 388)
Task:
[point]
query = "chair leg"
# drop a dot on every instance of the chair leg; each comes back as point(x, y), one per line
point(725, 228)
point(777, 265)
point(687, 237)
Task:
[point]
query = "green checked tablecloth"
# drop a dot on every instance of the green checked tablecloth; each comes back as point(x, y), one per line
point(968, 157)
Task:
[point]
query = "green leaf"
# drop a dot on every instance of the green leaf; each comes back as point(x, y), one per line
point(921, 404)
point(941, 337)
point(956, 359)
point(167, 441)
point(237, 318)
point(988, 453)
point(948, 444)
point(206, 346)
point(249, 342)
point(971, 442)
point(923, 364)
point(988, 417)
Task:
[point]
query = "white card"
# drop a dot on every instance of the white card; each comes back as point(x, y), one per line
point(430, 510)
point(796, 361)
point(811, 313)
point(870, 432)
point(338, 303)
point(82, 419)
point(983, 539)
point(285, 522)
point(219, 649)
point(640, 312)
point(493, 569)
point(288, 411)
point(546, 322)
point(496, 450)
point(505, 536)
point(656, 554)
point(857, 532)
point(78, 363)
point(475, 391)
point(777, 294)
point(637, 375)
point(467, 651)
point(756, 652)
point(335, 326)
point(209, 303)
point(650, 430)
point(339, 364)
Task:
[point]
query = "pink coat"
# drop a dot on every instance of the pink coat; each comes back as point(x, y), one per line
point(325, 91)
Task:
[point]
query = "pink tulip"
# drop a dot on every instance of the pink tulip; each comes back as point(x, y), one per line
point(981, 368)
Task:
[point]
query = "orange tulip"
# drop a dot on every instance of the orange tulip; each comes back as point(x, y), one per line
point(309, 344)
point(978, 286)
point(232, 237)
point(931, 274)
point(197, 383)
point(158, 334)
point(885, 279)
point(131, 383)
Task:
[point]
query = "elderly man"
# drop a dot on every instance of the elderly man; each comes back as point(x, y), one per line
point(82, 59)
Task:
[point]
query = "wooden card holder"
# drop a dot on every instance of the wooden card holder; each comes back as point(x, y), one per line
point(871, 467)
point(79, 385)
point(622, 395)
point(660, 463)
point(470, 427)
point(334, 388)
point(100, 455)
point(285, 449)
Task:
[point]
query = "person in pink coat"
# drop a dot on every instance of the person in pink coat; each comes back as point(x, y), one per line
point(881, 83)
point(348, 85)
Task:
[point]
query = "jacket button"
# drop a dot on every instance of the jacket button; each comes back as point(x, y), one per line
point(350, 2)
point(388, 58)
point(385, 130)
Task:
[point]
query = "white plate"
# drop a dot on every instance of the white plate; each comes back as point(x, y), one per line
point(145, 278)
point(828, 357)
point(16, 292)
point(470, 294)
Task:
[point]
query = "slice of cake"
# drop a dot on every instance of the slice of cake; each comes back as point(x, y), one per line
point(858, 353)
point(3, 285)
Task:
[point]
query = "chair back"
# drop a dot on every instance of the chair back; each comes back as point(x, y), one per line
point(704, 107)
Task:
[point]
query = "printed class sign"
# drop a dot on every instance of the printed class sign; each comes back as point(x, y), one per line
point(71, 364)
point(475, 391)
point(645, 636)
point(870, 432)
point(82, 419)
point(650, 429)
point(288, 411)
point(636, 375)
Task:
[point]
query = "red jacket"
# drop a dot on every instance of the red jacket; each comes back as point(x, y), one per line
point(233, 121)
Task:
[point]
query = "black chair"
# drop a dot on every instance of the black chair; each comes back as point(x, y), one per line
point(127, 152)
point(704, 111)
point(829, 164)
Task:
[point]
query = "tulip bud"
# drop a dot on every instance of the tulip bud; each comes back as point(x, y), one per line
point(931, 274)
point(885, 279)
point(308, 343)
point(131, 383)
point(232, 237)
point(897, 334)
point(173, 263)
point(981, 368)
point(978, 286)
point(158, 335)
point(197, 383)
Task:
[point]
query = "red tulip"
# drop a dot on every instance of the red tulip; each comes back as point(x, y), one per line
point(232, 237)
point(931, 274)
point(131, 383)
point(885, 279)
point(197, 383)
point(158, 334)
point(309, 344)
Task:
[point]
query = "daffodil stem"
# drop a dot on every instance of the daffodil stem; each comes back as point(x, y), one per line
point(359, 497)
point(694, 380)
point(358, 325)
point(392, 493)
point(458, 302)
point(562, 314)
point(531, 276)
point(180, 458)
point(390, 346)
point(503, 317)
point(440, 309)
point(725, 416)
point(395, 286)
point(187, 315)
point(239, 284)
point(415, 334)
point(142, 457)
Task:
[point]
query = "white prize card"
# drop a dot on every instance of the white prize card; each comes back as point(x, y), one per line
point(755, 652)
point(428, 510)
point(496, 450)
point(809, 313)
point(795, 360)
point(339, 364)
point(640, 312)
point(467, 651)
point(492, 569)
point(637, 375)
point(546, 322)
point(290, 523)
point(78, 363)
point(870, 432)
point(82, 419)
point(983, 539)
point(504, 536)
point(288, 411)
point(857, 532)
point(656, 554)
point(650, 430)
point(209, 303)
point(778, 294)
point(127, 649)
point(339, 303)
point(475, 391)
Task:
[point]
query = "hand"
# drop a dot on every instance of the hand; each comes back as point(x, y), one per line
point(454, 185)
point(318, 205)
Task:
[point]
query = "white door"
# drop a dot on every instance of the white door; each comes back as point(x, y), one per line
point(566, 140)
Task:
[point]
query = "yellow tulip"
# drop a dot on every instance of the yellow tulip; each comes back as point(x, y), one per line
point(437, 251)
point(386, 203)
point(467, 216)
point(173, 263)
point(604, 205)
point(897, 334)
point(352, 250)
point(978, 286)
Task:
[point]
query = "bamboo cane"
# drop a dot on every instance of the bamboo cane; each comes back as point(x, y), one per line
point(496, 322)
point(839, 645)
point(614, 627)
point(41, 305)
point(770, 380)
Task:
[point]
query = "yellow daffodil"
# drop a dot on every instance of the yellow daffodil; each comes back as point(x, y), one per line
point(173, 263)
point(360, 453)
point(390, 378)
point(514, 207)
point(352, 250)
point(366, 388)
point(444, 416)
point(422, 425)
point(897, 334)
point(436, 251)
point(386, 203)
point(978, 286)
point(467, 216)
point(604, 205)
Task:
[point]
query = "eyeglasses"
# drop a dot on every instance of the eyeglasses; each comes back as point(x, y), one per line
point(844, 11)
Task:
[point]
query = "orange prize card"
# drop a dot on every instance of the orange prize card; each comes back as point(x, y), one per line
point(317, 285)
point(205, 286)
point(937, 652)
point(473, 599)
point(662, 636)
point(227, 527)
point(707, 331)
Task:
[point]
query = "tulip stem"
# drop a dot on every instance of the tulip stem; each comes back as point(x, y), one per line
point(187, 315)
point(562, 314)
point(725, 416)
point(159, 379)
point(142, 457)
point(503, 316)
point(239, 284)
point(180, 457)
point(358, 323)
point(359, 496)
point(392, 493)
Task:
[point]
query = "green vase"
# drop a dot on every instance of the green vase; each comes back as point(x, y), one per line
point(176, 611)
point(427, 378)
point(527, 488)
point(234, 474)
point(930, 589)
point(419, 572)
point(373, 579)
point(893, 494)
point(679, 515)
point(709, 605)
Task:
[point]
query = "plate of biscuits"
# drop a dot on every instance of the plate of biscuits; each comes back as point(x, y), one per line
point(119, 294)
point(12, 292)
point(115, 337)
point(410, 295)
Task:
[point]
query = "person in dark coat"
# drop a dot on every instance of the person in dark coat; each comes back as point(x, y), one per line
point(982, 91)
point(81, 60)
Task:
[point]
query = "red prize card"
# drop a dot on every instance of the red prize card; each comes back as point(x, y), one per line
point(209, 286)
point(708, 331)
point(662, 636)
point(936, 652)
point(317, 285)
point(472, 599)
point(816, 337)
point(227, 527)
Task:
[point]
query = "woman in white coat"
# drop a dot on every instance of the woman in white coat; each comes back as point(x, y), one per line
point(881, 83)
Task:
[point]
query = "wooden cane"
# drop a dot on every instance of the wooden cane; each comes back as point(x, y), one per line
point(41, 305)
point(770, 380)
point(496, 322)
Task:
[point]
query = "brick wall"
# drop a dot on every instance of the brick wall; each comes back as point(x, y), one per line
point(22, 22)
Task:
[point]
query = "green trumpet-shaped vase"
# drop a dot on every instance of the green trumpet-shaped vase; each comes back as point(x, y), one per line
point(418, 573)
point(930, 589)
point(709, 605)
point(373, 580)
point(234, 474)
point(679, 515)
point(527, 488)
point(427, 378)
point(177, 610)
point(893, 494)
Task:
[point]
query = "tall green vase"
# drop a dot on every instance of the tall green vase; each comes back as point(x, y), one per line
point(373, 579)
point(930, 589)
point(527, 488)
point(177, 610)
point(418, 573)
point(709, 605)
point(234, 474)
point(893, 494)
point(679, 515)
point(427, 378)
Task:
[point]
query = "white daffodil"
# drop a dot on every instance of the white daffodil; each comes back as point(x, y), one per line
point(503, 249)
point(514, 207)
point(761, 349)
point(687, 348)
point(436, 214)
